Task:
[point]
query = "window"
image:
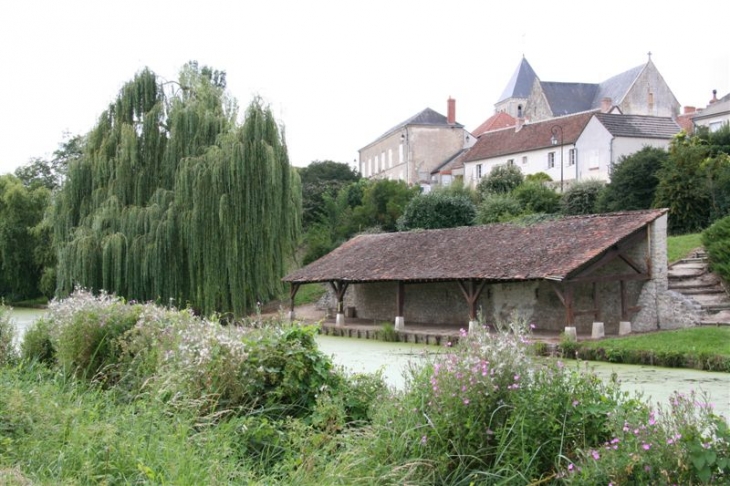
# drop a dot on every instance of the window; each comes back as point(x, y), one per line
point(510, 161)
point(400, 153)
point(551, 160)
point(390, 158)
point(524, 161)
point(572, 156)
point(479, 171)
point(715, 126)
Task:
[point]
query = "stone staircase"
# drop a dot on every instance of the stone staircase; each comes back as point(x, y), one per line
point(691, 277)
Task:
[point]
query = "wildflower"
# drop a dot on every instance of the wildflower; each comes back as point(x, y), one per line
point(575, 403)
point(646, 447)
point(424, 439)
point(595, 455)
point(466, 401)
point(532, 326)
point(570, 467)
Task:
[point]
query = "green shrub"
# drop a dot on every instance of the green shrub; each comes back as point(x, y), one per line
point(8, 352)
point(582, 197)
point(536, 198)
point(502, 179)
point(388, 333)
point(437, 209)
point(716, 240)
point(86, 331)
point(498, 208)
point(37, 344)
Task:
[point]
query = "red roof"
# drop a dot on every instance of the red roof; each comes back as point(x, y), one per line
point(495, 122)
point(552, 250)
point(531, 136)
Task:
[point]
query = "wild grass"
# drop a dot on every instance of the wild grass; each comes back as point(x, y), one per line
point(180, 400)
point(680, 246)
point(309, 294)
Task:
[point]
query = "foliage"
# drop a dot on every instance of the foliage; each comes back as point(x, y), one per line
point(502, 179)
point(679, 246)
point(716, 240)
point(684, 444)
point(683, 187)
point(8, 352)
point(582, 197)
point(383, 202)
point(320, 178)
point(633, 181)
point(37, 343)
point(497, 208)
point(538, 177)
point(437, 210)
point(21, 209)
point(309, 294)
point(332, 227)
point(535, 197)
point(172, 199)
point(86, 333)
point(387, 332)
point(51, 173)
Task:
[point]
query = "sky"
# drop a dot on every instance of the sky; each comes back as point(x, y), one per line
point(337, 74)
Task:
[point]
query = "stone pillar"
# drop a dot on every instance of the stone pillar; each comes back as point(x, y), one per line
point(571, 334)
point(400, 323)
point(340, 319)
point(473, 325)
point(598, 331)
point(624, 327)
point(292, 316)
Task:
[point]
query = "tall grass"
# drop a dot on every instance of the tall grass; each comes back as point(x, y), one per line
point(680, 246)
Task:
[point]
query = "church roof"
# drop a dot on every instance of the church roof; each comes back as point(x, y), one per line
point(617, 86)
point(567, 98)
point(521, 83)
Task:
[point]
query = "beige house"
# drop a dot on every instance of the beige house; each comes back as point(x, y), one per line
point(411, 150)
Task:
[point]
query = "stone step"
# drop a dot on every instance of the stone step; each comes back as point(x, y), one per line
point(703, 290)
point(710, 322)
point(714, 308)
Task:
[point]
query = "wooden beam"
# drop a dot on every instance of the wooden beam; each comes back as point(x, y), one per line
point(609, 278)
point(293, 289)
point(596, 304)
point(615, 252)
point(400, 299)
point(471, 294)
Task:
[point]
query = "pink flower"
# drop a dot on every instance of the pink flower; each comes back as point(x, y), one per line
point(646, 447)
point(466, 401)
point(595, 455)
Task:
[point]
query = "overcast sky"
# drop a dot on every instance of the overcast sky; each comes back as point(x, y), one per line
point(337, 74)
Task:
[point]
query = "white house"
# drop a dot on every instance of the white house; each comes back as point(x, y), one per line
point(715, 115)
point(574, 147)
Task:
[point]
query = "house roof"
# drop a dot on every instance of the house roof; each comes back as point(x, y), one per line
point(424, 117)
point(495, 122)
point(639, 126)
point(453, 162)
point(520, 85)
point(531, 136)
point(720, 106)
point(551, 250)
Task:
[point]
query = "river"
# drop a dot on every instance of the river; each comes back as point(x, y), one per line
point(367, 356)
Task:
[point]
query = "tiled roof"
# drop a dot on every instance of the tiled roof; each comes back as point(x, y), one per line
point(551, 250)
point(452, 162)
point(568, 98)
point(720, 106)
point(639, 126)
point(520, 85)
point(495, 122)
point(531, 136)
point(425, 117)
point(617, 86)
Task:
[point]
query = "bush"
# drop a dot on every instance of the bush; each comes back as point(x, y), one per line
point(634, 181)
point(388, 333)
point(86, 332)
point(37, 344)
point(582, 197)
point(716, 240)
point(437, 210)
point(503, 179)
point(497, 208)
point(8, 353)
point(537, 198)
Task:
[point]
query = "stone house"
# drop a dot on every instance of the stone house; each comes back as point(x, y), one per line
point(572, 271)
point(411, 150)
point(574, 147)
point(715, 115)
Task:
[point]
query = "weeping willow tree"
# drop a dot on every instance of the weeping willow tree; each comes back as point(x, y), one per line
point(173, 199)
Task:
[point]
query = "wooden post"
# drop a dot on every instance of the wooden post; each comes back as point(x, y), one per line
point(293, 289)
point(400, 299)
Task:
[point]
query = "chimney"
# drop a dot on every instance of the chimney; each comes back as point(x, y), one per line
point(606, 104)
point(689, 109)
point(451, 111)
point(714, 96)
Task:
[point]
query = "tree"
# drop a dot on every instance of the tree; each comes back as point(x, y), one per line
point(498, 208)
point(173, 200)
point(21, 209)
point(582, 197)
point(50, 173)
point(437, 209)
point(683, 186)
point(503, 179)
point(383, 202)
point(634, 181)
point(320, 178)
point(537, 198)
